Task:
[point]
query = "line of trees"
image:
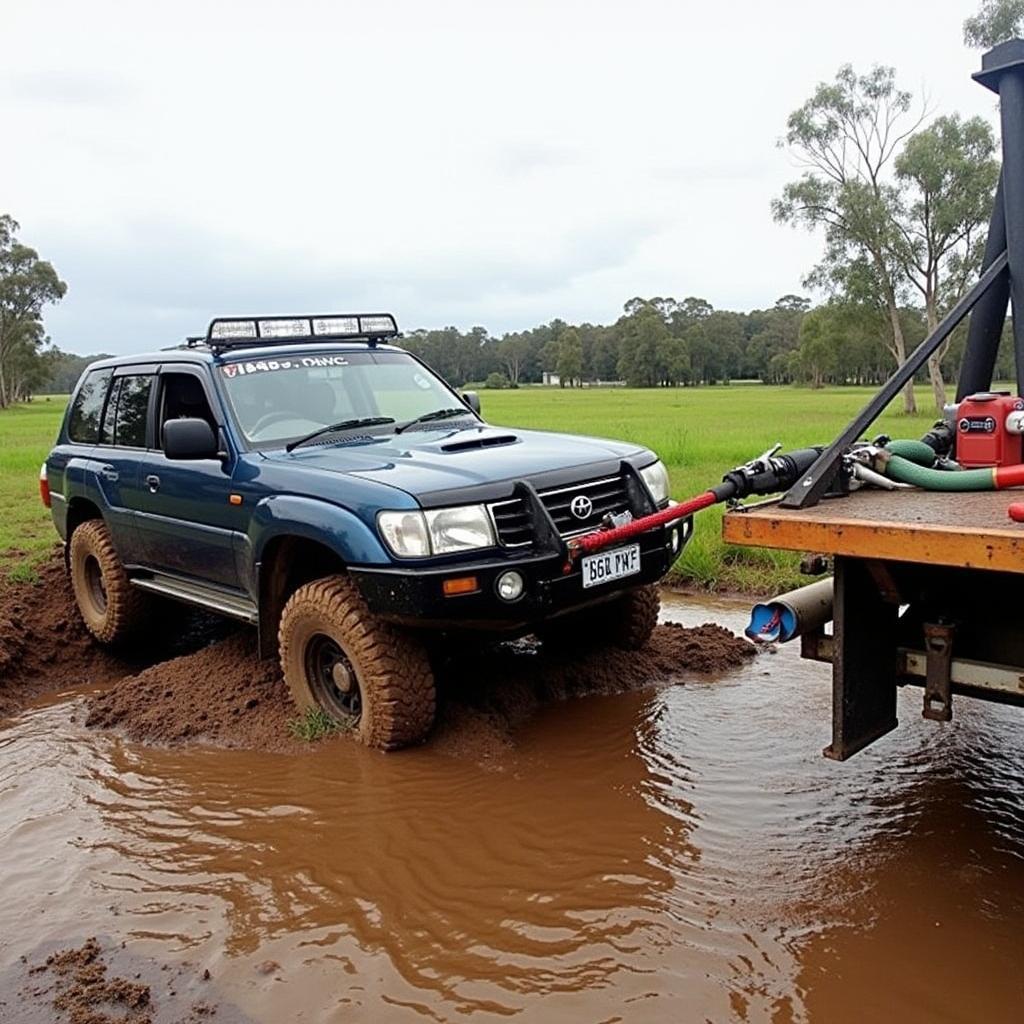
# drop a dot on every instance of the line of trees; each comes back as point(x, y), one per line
point(662, 342)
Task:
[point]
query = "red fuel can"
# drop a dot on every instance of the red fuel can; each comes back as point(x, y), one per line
point(986, 432)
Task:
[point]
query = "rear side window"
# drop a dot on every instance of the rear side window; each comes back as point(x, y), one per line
point(84, 421)
point(132, 411)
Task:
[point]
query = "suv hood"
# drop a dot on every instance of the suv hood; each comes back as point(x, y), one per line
point(479, 463)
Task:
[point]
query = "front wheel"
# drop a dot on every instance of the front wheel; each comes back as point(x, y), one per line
point(363, 673)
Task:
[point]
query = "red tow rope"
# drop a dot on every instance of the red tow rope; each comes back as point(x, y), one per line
point(591, 542)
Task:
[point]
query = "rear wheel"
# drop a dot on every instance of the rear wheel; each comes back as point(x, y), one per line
point(363, 673)
point(111, 608)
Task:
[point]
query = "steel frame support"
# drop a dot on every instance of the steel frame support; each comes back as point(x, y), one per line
point(865, 661)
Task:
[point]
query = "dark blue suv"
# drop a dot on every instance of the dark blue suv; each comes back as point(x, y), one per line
point(303, 475)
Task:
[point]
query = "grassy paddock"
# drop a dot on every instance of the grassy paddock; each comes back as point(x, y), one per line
point(27, 433)
point(698, 432)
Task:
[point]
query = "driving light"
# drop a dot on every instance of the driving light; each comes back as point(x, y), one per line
point(459, 529)
point(336, 325)
point(232, 329)
point(510, 586)
point(382, 323)
point(405, 533)
point(656, 477)
point(296, 328)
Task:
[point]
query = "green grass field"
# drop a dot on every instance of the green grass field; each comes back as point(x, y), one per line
point(699, 433)
point(26, 530)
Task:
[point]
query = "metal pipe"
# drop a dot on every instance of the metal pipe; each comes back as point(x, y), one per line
point(989, 313)
point(1002, 71)
point(792, 614)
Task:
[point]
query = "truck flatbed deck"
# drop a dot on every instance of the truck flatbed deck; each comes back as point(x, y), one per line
point(926, 592)
point(969, 531)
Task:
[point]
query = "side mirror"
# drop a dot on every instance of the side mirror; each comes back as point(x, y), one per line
point(189, 438)
point(472, 399)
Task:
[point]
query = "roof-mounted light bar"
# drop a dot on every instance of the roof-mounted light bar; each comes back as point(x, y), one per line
point(232, 332)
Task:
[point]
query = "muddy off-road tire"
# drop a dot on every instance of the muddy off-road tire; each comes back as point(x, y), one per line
point(626, 622)
point(111, 608)
point(364, 673)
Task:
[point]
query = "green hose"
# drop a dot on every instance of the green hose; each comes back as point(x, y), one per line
point(916, 451)
point(905, 471)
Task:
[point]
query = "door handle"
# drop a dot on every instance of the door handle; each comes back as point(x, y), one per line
point(153, 482)
point(109, 473)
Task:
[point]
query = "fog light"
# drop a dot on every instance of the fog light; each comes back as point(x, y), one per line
point(510, 586)
point(674, 542)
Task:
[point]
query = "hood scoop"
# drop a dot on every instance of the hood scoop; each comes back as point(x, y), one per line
point(487, 441)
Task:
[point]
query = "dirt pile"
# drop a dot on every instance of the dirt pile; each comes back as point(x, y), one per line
point(91, 984)
point(222, 694)
point(43, 644)
point(225, 696)
point(197, 678)
point(484, 698)
point(45, 647)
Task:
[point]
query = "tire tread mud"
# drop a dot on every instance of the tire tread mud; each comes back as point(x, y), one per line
point(127, 607)
point(397, 684)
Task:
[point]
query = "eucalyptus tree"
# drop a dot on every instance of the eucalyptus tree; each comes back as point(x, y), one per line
point(846, 137)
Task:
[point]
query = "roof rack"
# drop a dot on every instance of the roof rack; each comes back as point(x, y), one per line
point(250, 332)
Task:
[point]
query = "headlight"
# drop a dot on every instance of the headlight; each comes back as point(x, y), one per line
point(656, 477)
point(459, 529)
point(439, 531)
point(405, 533)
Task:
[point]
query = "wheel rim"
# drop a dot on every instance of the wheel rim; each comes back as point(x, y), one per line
point(94, 583)
point(332, 678)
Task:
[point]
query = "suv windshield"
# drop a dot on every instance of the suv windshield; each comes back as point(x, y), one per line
point(277, 400)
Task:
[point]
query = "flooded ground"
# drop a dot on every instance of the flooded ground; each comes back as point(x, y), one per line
point(683, 853)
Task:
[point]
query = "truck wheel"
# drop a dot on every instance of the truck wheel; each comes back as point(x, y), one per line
point(111, 608)
point(339, 657)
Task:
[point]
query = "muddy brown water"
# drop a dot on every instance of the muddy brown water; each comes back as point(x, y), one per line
point(683, 853)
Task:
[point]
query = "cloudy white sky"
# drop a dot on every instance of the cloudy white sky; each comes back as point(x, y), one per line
point(495, 163)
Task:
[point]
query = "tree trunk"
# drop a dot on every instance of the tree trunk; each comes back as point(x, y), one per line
point(935, 360)
point(899, 350)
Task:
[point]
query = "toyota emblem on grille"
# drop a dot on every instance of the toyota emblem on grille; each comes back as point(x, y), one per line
point(581, 506)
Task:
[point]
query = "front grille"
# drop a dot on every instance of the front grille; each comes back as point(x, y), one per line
point(512, 519)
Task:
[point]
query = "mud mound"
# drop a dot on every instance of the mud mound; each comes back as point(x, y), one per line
point(223, 695)
point(83, 992)
point(486, 697)
point(43, 644)
point(103, 983)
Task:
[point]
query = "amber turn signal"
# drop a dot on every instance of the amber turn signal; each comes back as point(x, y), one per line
point(460, 585)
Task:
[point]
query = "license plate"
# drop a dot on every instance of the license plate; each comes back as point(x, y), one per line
point(610, 565)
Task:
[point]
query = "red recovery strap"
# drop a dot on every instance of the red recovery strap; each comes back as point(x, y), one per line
point(591, 542)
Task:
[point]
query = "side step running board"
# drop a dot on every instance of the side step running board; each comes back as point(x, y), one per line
point(225, 603)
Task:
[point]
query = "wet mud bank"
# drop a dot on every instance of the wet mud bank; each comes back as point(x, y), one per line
point(198, 680)
point(224, 695)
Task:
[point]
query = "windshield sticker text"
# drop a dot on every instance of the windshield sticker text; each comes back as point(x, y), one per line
point(270, 365)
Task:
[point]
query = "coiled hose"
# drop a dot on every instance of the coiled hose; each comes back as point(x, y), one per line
point(912, 462)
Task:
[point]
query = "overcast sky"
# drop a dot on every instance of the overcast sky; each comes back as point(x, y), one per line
point(495, 163)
